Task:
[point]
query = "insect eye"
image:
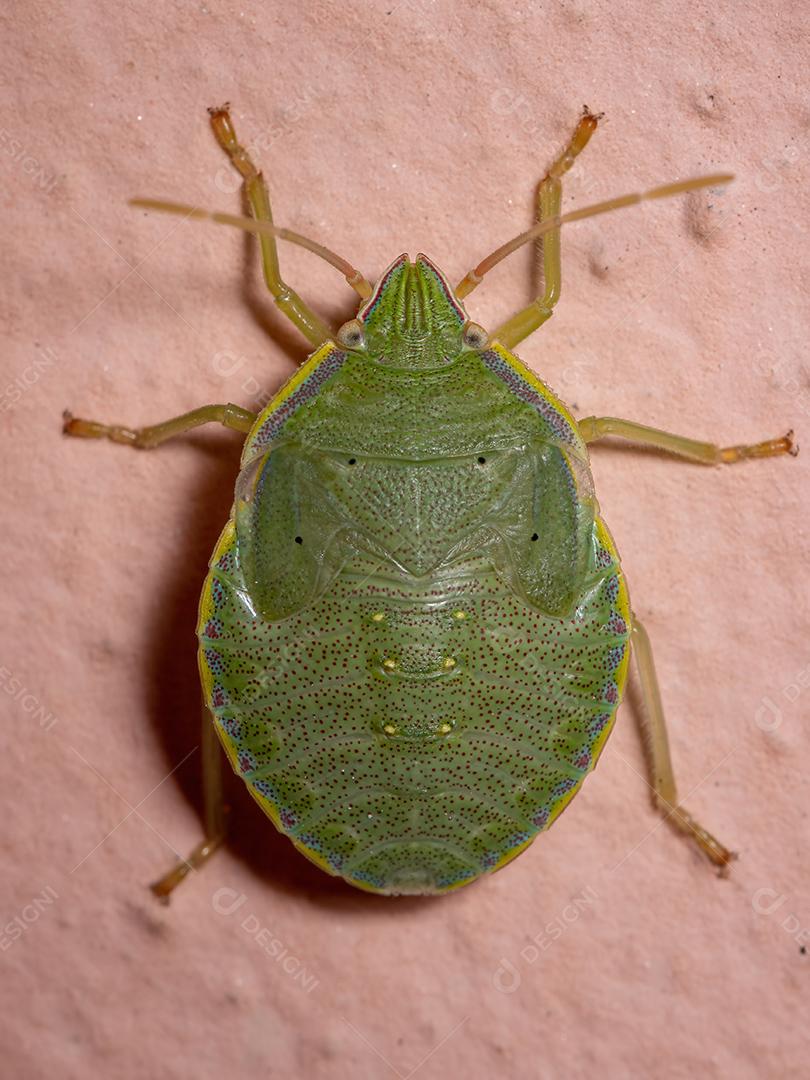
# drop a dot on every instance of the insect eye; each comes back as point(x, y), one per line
point(352, 335)
point(475, 336)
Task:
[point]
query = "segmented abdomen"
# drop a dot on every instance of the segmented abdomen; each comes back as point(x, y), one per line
point(411, 741)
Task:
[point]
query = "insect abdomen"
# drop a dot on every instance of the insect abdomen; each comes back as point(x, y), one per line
point(416, 775)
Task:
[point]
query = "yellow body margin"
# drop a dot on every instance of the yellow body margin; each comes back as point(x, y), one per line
point(289, 387)
point(225, 543)
point(623, 609)
point(537, 384)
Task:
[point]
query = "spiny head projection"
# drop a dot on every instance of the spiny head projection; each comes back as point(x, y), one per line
point(412, 321)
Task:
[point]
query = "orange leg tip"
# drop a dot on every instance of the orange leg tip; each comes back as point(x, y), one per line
point(221, 123)
point(588, 115)
point(785, 445)
point(163, 888)
point(585, 128)
point(72, 426)
point(768, 448)
point(83, 429)
point(590, 120)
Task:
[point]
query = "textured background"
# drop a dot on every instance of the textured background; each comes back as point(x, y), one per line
point(609, 948)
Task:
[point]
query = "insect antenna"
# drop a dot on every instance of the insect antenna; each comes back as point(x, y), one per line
point(474, 277)
point(354, 278)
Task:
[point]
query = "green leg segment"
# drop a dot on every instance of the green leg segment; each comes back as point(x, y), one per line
point(662, 777)
point(146, 438)
point(214, 813)
point(594, 428)
point(297, 311)
point(549, 203)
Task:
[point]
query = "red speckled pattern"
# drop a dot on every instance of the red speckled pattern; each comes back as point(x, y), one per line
point(610, 948)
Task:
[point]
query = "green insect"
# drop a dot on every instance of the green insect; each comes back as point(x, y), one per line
point(415, 633)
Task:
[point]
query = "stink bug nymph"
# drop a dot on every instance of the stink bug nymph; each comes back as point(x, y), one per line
point(415, 632)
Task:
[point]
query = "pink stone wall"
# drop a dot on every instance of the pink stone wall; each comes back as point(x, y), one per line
point(609, 949)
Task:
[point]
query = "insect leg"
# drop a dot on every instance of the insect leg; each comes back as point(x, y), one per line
point(297, 311)
point(214, 812)
point(593, 428)
point(549, 202)
point(662, 778)
point(145, 438)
